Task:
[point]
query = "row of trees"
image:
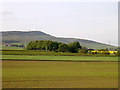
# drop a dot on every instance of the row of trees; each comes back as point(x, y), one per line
point(48, 45)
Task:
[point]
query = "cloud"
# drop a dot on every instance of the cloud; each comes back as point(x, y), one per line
point(5, 12)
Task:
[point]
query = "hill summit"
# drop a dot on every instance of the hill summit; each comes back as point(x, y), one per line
point(25, 37)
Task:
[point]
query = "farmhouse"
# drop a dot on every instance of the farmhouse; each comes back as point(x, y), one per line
point(12, 45)
point(6, 44)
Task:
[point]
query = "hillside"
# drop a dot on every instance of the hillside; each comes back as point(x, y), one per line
point(25, 37)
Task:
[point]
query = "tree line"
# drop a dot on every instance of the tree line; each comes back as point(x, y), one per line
point(48, 45)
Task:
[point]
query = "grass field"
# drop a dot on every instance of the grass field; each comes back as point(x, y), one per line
point(57, 58)
point(11, 48)
point(44, 74)
point(40, 71)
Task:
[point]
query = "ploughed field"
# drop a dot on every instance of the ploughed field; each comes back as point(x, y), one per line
point(55, 74)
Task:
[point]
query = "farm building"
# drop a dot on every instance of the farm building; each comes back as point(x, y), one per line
point(12, 45)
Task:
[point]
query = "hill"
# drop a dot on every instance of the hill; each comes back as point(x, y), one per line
point(25, 37)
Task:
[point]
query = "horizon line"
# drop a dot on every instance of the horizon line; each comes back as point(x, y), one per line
point(33, 30)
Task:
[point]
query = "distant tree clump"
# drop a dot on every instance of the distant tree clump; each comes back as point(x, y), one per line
point(103, 49)
point(48, 45)
point(83, 50)
point(63, 47)
point(74, 47)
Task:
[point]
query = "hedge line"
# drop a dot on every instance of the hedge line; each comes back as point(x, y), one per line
point(33, 52)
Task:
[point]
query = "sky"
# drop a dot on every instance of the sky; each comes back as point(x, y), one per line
point(97, 21)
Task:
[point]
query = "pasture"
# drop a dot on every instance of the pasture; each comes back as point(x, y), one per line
point(58, 58)
point(50, 74)
point(40, 71)
point(11, 48)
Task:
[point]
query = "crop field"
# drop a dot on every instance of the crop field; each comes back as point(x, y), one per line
point(40, 71)
point(50, 74)
point(11, 48)
point(57, 58)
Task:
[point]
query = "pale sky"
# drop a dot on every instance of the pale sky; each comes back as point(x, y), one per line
point(96, 21)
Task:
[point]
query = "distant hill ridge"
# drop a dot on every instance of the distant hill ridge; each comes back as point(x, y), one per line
point(25, 37)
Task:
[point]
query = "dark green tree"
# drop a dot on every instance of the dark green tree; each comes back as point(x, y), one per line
point(74, 47)
point(34, 45)
point(50, 45)
point(77, 44)
point(39, 45)
point(63, 47)
point(54, 45)
point(29, 46)
point(83, 50)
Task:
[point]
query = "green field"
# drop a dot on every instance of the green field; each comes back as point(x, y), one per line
point(44, 74)
point(11, 48)
point(43, 71)
point(57, 58)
